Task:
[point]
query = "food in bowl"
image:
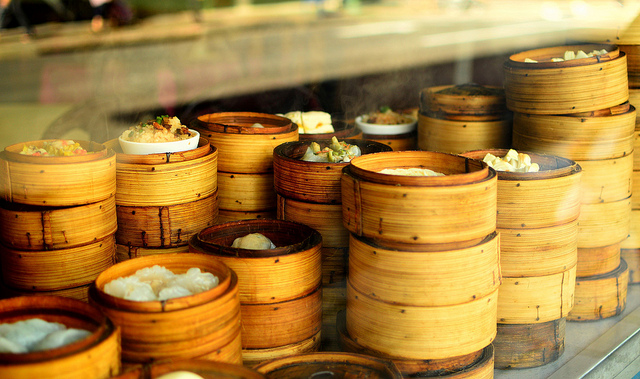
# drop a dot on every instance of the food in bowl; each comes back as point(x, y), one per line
point(36, 334)
point(163, 134)
point(386, 122)
point(512, 161)
point(312, 122)
point(336, 152)
point(253, 241)
point(57, 148)
point(411, 171)
point(386, 116)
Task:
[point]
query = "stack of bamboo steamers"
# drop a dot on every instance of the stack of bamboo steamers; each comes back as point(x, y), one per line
point(578, 109)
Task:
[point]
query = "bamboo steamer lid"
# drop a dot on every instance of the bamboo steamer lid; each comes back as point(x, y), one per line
point(424, 279)
point(314, 182)
point(325, 218)
point(253, 357)
point(26, 227)
point(96, 356)
point(329, 363)
point(578, 85)
point(453, 102)
point(246, 192)
point(598, 260)
point(603, 224)
point(456, 209)
point(57, 181)
point(243, 148)
point(529, 345)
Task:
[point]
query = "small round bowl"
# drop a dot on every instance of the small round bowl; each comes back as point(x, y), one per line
point(386, 129)
point(144, 148)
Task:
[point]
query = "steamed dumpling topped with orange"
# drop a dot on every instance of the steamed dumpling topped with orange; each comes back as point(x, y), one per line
point(311, 122)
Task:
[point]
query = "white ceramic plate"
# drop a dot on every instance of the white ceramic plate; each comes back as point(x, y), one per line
point(382, 129)
point(144, 148)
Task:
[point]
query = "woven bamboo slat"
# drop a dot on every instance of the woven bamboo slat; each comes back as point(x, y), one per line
point(314, 182)
point(632, 257)
point(201, 150)
point(287, 272)
point(343, 129)
point(463, 100)
point(397, 142)
point(281, 323)
point(60, 183)
point(124, 252)
point(529, 345)
point(579, 138)
point(253, 357)
point(325, 218)
point(606, 180)
point(452, 136)
point(478, 364)
point(334, 300)
point(246, 192)
point(424, 279)
point(603, 224)
point(578, 85)
point(456, 209)
point(232, 134)
point(536, 299)
point(174, 328)
point(328, 363)
point(44, 270)
point(600, 296)
point(539, 251)
point(167, 183)
point(414, 332)
point(228, 216)
point(540, 199)
point(165, 226)
point(96, 356)
point(80, 293)
point(598, 260)
point(48, 228)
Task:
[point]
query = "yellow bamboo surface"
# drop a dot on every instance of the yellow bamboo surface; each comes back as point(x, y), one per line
point(540, 251)
point(168, 183)
point(634, 100)
point(246, 192)
point(578, 138)
point(536, 299)
point(604, 224)
point(632, 257)
point(339, 364)
point(529, 345)
point(492, 101)
point(598, 260)
point(228, 216)
point(635, 186)
point(632, 51)
point(450, 136)
point(252, 357)
point(600, 296)
point(334, 300)
point(45, 270)
point(455, 208)
point(564, 89)
point(414, 332)
point(335, 264)
point(425, 279)
point(398, 142)
point(58, 184)
point(124, 253)
point(96, 356)
point(166, 226)
point(325, 218)
point(281, 323)
point(606, 180)
point(78, 293)
point(47, 228)
point(231, 353)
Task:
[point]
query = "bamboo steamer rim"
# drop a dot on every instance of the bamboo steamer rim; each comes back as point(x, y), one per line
point(424, 248)
point(324, 361)
point(611, 111)
point(184, 262)
point(607, 275)
point(367, 166)
point(544, 55)
point(551, 166)
point(461, 105)
point(36, 306)
point(240, 123)
point(95, 151)
point(217, 239)
point(203, 148)
point(205, 368)
point(292, 151)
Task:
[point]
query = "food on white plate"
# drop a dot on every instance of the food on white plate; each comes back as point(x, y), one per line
point(160, 129)
point(336, 152)
point(253, 241)
point(386, 116)
point(512, 161)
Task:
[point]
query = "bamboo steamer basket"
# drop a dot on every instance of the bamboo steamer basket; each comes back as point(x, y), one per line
point(607, 180)
point(418, 332)
point(633, 240)
point(458, 209)
point(45, 270)
point(253, 357)
point(325, 218)
point(529, 345)
point(334, 300)
point(246, 192)
point(632, 257)
point(80, 293)
point(232, 134)
point(281, 323)
point(174, 328)
point(313, 182)
point(478, 364)
point(228, 216)
point(204, 368)
point(27, 227)
point(125, 252)
point(538, 251)
point(57, 181)
point(578, 85)
point(540, 199)
point(603, 224)
point(598, 260)
point(203, 148)
point(453, 136)
point(582, 138)
point(165, 226)
point(536, 299)
point(330, 364)
point(289, 271)
point(425, 279)
point(165, 184)
point(96, 356)
point(335, 264)
point(467, 102)
point(397, 142)
point(601, 296)
point(342, 130)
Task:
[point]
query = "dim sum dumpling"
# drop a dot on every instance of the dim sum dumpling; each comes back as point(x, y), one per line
point(180, 375)
point(253, 241)
point(61, 338)
point(29, 332)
